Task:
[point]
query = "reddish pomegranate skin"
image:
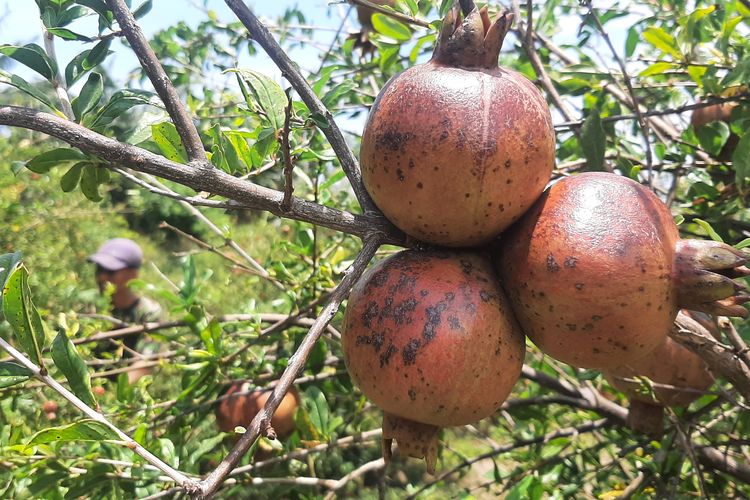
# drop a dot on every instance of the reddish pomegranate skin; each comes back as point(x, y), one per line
point(429, 338)
point(596, 271)
point(457, 149)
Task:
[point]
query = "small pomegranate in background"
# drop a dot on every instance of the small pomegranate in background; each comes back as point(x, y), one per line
point(429, 337)
point(596, 271)
point(98, 390)
point(50, 409)
point(242, 403)
point(679, 377)
point(714, 113)
point(457, 149)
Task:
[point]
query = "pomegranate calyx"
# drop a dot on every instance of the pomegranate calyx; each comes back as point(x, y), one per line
point(414, 439)
point(704, 272)
point(474, 41)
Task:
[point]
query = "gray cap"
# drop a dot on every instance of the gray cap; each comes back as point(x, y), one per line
point(117, 254)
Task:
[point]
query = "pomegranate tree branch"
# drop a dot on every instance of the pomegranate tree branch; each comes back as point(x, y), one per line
point(161, 82)
point(247, 194)
point(188, 484)
point(211, 484)
point(57, 82)
point(721, 359)
point(349, 163)
point(740, 347)
point(390, 13)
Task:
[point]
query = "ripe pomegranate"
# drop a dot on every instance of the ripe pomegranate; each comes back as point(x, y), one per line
point(240, 409)
point(429, 337)
point(679, 377)
point(596, 271)
point(456, 149)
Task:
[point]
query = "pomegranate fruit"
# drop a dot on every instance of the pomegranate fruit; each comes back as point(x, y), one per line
point(456, 149)
point(596, 271)
point(429, 337)
point(243, 403)
point(679, 377)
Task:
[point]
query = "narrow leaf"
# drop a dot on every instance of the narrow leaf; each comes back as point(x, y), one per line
point(42, 163)
point(593, 141)
point(165, 136)
point(662, 41)
point(316, 406)
point(69, 362)
point(709, 230)
point(89, 97)
point(741, 159)
point(22, 315)
point(12, 374)
point(67, 34)
point(386, 25)
point(31, 56)
point(72, 177)
point(267, 94)
point(85, 430)
point(24, 86)
point(90, 184)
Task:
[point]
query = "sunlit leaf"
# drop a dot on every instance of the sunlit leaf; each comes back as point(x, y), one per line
point(69, 362)
point(12, 374)
point(20, 312)
point(85, 430)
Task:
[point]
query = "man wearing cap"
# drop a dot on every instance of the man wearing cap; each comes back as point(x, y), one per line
point(118, 261)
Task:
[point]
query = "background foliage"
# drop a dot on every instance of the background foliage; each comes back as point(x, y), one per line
point(57, 205)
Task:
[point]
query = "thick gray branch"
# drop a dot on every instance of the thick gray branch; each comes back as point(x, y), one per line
point(247, 194)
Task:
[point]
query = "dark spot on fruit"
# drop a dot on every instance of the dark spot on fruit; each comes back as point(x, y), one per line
point(411, 163)
point(579, 286)
point(596, 317)
point(401, 311)
point(392, 140)
point(420, 185)
point(400, 174)
point(376, 340)
point(587, 327)
point(595, 350)
point(552, 265)
point(466, 266)
point(409, 352)
point(485, 296)
point(454, 322)
point(571, 326)
point(467, 195)
point(444, 135)
point(433, 320)
point(412, 394)
point(380, 278)
point(507, 163)
point(641, 288)
point(385, 358)
point(570, 262)
point(371, 312)
point(509, 181)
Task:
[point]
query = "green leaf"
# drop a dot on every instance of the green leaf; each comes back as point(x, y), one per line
point(69, 181)
point(316, 406)
point(42, 163)
point(8, 263)
point(120, 102)
point(32, 56)
point(333, 95)
point(631, 42)
point(741, 159)
point(739, 75)
point(12, 374)
point(66, 34)
point(386, 25)
point(142, 9)
point(658, 68)
point(712, 136)
point(267, 95)
point(90, 183)
point(86, 61)
point(85, 430)
point(69, 362)
point(709, 230)
point(332, 180)
point(89, 97)
point(165, 136)
point(22, 315)
point(593, 141)
point(662, 41)
point(24, 86)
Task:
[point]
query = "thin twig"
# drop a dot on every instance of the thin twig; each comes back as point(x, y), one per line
point(286, 153)
point(213, 481)
point(161, 82)
point(391, 13)
point(61, 88)
point(637, 109)
point(742, 351)
point(263, 37)
point(358, 472)
point(185, 482)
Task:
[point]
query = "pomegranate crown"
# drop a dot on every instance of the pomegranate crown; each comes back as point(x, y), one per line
point(473, 41)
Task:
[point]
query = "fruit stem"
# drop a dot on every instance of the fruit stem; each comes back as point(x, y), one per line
point(703, 276)
point(467, 6)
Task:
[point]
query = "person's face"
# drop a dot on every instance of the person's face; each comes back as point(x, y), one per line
point(118, 278)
